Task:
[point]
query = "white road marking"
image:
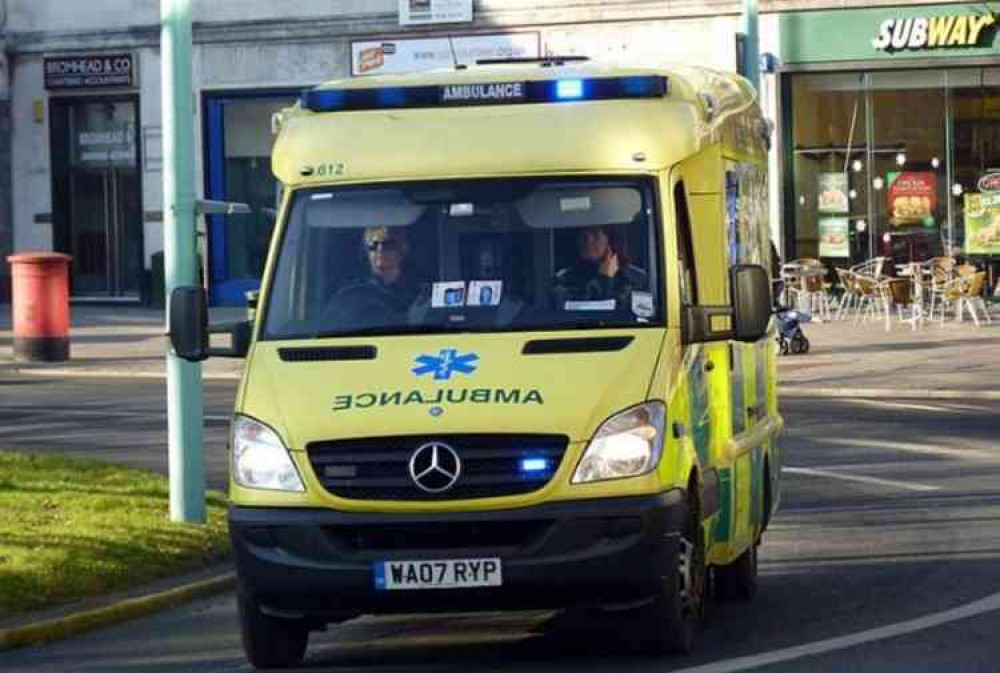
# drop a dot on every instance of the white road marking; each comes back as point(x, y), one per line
point(984, 605)
point(829, 474)
point(883, 404)
point(910, 447)
point(100, 412)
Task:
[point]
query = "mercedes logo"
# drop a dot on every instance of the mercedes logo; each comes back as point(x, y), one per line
point(435, 467)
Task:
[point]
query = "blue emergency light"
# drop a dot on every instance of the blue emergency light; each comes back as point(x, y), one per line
point(569, 89)
point(533, 466)
point(486, 93)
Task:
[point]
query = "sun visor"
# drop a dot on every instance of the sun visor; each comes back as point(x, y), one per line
point(357, 209)
point(557, 206)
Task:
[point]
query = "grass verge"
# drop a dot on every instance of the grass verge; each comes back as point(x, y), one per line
point(73, 529)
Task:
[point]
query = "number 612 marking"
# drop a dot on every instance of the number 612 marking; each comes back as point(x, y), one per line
point(324, 170)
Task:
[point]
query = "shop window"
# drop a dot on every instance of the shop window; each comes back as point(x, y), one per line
point(830, 165)
point(908, 176)
point(975, 104)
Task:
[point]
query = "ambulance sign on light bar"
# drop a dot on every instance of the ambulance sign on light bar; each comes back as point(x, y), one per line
point(469, 93)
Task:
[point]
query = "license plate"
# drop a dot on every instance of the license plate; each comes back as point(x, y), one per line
point(438, 574)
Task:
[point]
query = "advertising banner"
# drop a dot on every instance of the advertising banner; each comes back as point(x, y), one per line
point(833, 193)
point(982, 224)
point(414, 55)
point(833, 237)
point(912, 199)
point(421, 12)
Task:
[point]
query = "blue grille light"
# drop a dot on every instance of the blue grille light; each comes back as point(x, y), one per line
point(533, 465)
point(569, 89)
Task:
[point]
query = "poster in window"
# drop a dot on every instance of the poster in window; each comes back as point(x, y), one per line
point(912, 199)
point(833, 194)
point(833, 237)
point(982, 224)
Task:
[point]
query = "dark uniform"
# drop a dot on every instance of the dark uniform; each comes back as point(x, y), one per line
point(584, 282)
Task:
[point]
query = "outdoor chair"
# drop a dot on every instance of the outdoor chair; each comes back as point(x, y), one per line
point(970, 295)
point(873, 300)
point(849, 293)
point(900, 292)
point(965, 270)
point(872, 267)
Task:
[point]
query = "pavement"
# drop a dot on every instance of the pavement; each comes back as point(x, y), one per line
point(118, 341)
point(948, 361)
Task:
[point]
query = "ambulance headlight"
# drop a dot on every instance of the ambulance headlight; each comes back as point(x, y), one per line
point(629, 444)
point(260, 460)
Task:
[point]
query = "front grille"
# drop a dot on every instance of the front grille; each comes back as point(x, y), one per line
point(378, 468)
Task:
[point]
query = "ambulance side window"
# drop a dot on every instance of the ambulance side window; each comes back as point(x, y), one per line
point(685, 249)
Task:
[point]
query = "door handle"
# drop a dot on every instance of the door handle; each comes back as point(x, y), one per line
point(679, 430)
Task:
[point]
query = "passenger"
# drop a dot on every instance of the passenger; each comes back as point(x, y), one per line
point(602, 271)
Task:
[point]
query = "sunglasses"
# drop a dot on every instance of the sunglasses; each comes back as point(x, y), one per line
point(387, 245)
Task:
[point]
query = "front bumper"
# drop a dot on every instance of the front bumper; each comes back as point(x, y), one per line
point(319, 562)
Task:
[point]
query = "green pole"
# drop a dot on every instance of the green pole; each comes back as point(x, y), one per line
point(751, 53)
point(184, 390)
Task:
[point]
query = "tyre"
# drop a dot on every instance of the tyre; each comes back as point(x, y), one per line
point(670, 623)
point(270, 642)
point(805, 345)
point(799, 345)
point(738, 580)
point(783, 346)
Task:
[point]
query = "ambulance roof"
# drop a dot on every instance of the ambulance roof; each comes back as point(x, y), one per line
point(497, 120)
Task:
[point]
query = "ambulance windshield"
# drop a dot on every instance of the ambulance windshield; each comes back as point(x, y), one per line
point(474, 255)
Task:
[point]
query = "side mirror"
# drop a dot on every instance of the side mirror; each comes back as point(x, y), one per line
point(188, 323)
point(751, 291)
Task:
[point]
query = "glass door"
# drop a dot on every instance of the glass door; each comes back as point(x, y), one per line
point(239, 143)
point(97, 206)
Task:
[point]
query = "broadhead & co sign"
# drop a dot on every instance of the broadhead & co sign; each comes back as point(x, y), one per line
point(90, 72)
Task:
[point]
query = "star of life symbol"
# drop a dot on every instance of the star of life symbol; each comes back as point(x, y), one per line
point(435, 467)
point(445, 363)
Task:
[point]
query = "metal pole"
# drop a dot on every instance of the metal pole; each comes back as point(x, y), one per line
point(184, 389)
point(751, 52)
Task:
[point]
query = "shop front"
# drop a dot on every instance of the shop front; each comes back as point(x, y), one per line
point(97, 211)
point(891, 132)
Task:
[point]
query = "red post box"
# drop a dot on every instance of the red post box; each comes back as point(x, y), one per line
point(40, 299)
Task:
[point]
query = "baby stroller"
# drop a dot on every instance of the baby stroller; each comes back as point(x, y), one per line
point(791, 338)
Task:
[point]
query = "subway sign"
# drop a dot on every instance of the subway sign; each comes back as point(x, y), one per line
point(936, 32)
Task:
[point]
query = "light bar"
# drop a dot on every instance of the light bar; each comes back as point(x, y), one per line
point(486, 93)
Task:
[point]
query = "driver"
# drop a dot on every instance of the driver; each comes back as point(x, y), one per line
point(388, 287)
point(602, 270)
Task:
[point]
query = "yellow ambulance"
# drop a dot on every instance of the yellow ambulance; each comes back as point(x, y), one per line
point(513, 350)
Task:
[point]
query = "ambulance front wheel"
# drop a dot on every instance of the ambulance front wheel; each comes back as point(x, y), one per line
point(670, 623)
point(270, 642)
point(738, 580)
